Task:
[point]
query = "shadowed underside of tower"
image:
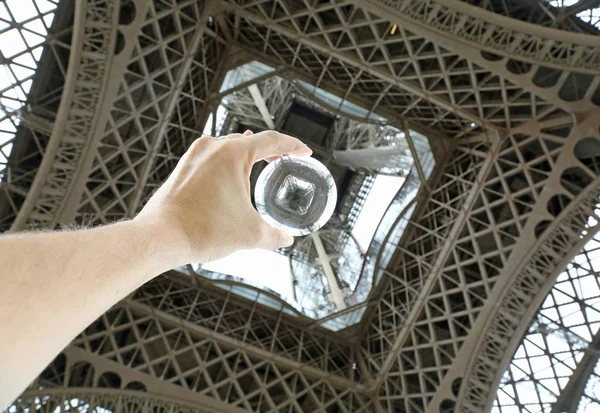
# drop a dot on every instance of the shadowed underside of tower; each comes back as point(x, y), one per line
point(489, 109)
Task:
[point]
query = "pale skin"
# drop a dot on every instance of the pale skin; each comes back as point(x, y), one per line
point(55, 284)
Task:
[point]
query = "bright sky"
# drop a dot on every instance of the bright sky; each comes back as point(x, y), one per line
point(266, 268)
point(272, 270)
point(591, 15)
point(384, 189)
point(221, 112)
point(563, 3)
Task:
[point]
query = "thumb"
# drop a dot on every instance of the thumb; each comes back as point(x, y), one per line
point(274, 238)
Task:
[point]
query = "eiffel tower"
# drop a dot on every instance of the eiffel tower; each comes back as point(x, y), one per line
point(478, 289)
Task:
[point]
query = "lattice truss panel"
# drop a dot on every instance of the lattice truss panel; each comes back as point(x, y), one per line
point(158, 110)
point(171, 332)
point(558, 339)
point(561, 221)
point(404, 73)
point(406, 277)
point(87, 71)
point(278, 96)
point(492, 32)
point(349, 135)
point(222, 315)
point(32, 35)
point(413, 76)
point(435, 288)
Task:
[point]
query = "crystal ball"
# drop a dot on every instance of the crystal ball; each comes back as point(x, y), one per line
point(297, 194)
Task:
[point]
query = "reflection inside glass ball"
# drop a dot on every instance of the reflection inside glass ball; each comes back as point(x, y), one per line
point(296, 193)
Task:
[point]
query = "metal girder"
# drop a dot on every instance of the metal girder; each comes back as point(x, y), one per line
point(418, 334)
point(499, 34)
point(573, 391)
point(73, 113)
point(157, 77)
point(510, 68)
point(64, 376)
point(198, 363)
point(355, 62)
point(336, 294)
point(259, 101)
point(244, 85)
point(167, 106)
point(436, 266)
point(199, 302)
point(308, 371)
point(544, 255)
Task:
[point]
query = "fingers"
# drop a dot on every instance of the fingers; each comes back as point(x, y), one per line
point(272, 144)
point(274, 238)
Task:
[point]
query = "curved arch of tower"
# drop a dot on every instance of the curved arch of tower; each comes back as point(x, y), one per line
point(461, 301)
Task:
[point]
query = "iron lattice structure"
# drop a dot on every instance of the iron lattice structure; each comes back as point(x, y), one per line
point(513, 106)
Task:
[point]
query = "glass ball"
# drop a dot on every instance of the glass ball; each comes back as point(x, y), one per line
point(297, 194)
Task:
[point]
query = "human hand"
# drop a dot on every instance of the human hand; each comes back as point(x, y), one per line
point(204, 206)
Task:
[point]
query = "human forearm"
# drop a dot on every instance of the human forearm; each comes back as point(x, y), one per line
point(47, 282)
point(53, 285)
